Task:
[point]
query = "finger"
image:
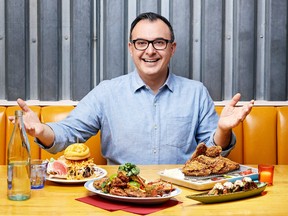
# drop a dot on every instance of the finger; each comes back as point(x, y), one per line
point(251, 103)
point(235, 99)
point(248, 107)
point(23, 105)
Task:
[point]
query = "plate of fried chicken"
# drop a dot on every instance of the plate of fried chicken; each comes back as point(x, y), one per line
point(128, 186)
point(207, 167)
point(137, 200)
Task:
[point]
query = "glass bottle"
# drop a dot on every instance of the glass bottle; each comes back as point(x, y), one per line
point(18, 162)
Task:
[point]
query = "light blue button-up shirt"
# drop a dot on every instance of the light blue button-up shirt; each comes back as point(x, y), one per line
point(139, 126)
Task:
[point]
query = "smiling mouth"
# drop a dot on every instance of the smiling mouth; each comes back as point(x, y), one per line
point(150, 60)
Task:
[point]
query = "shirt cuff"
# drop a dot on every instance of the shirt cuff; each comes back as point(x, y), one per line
point(50, 149)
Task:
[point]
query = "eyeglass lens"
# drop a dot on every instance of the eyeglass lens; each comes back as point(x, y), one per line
point(158, 44)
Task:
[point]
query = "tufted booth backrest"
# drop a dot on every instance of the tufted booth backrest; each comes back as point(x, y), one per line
point(10, 111)
point(261, 138)
point(237, 153)
point(2, 136)
point(57, 113)
point(282, 135)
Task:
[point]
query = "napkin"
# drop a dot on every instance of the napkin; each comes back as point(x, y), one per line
point(132, 208)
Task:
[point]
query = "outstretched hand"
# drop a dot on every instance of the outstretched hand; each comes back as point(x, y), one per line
point(232, 115)
point(31, 121)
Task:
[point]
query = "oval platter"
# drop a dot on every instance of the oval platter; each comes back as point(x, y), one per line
point(205, 198)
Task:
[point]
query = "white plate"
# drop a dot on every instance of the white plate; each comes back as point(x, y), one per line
point(143, 200)
point(100, 174)
point(207, 182)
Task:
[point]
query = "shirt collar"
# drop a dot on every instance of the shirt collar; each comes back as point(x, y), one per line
point(138, 83)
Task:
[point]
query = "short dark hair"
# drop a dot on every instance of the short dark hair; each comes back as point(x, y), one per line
point(152, 17)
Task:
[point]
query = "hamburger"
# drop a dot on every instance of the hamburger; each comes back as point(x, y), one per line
point(74, 164)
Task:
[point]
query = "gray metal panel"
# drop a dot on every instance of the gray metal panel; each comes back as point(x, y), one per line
point(196, 40)
point(180, 63)
point(15, 49)
point(49, 50)
point(278, 77)
point(82, 33)
point(95, 68)
point(2, 50)
point(66, 50)
point(33, 50)
point(114, 39)
point(212, 49)
point(244, 55)
point(149, 6)
point(260, 49)
point(228, 42)
point(54, 50)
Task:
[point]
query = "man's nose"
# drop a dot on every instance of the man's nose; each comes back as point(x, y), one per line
point(150, 48)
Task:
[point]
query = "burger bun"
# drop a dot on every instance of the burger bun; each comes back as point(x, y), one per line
point(77, 151)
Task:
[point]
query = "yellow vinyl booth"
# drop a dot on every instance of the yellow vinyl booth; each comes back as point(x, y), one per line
point(59, 113)
point(237, 153)
point(10, 111)
point(261, 138)
point(282, 135)
point(2, 136)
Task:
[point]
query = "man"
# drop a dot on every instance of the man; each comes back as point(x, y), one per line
point(149, 116)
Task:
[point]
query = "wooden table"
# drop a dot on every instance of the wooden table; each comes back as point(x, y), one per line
point(59, 199)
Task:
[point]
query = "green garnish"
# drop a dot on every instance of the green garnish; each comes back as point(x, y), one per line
point(113, 176)
point(130, 169)
point(134, 184)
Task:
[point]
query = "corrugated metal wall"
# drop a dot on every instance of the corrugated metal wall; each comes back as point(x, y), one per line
point(54, 50)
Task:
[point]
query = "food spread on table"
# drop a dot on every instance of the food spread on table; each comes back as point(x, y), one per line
point(75, 164)
point(128, 183)
point(205, 167)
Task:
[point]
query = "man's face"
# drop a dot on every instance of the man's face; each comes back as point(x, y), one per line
point(151, 62)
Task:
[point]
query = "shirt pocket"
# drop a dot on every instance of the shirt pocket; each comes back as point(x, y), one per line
point(178, 131)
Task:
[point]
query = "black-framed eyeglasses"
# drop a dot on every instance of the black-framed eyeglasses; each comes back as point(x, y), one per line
point(158, 44)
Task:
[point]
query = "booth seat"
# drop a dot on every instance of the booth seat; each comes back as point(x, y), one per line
point(52, 114)
point(2, 135)
point(10, 111)
point(261, 138)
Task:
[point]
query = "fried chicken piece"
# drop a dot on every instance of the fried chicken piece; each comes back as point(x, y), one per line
point(195, 168)
point(117, 191)
point(97, 183)
point(208, 160)
point(229, 165)
point(117, 182)
point(134, 192)
point(213, 151)
point(123, 177)
point(200, 150)
point(213, 164)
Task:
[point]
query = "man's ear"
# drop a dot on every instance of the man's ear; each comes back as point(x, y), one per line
point(173, 47)
point(130, 47)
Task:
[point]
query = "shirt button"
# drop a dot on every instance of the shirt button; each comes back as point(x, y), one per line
point(154, 151)
point(155, 127)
